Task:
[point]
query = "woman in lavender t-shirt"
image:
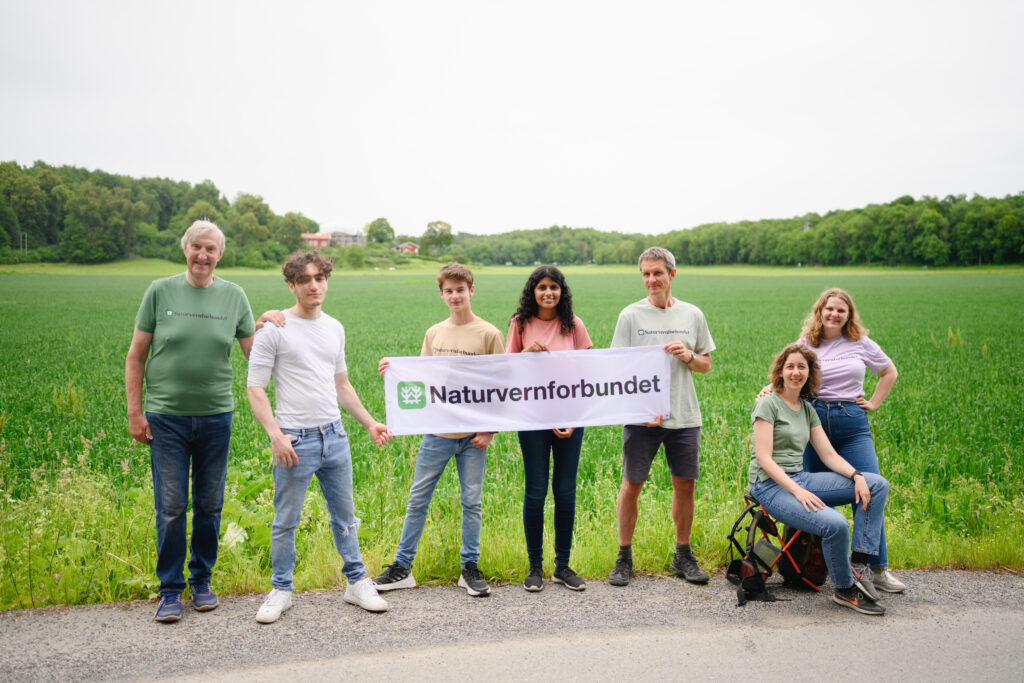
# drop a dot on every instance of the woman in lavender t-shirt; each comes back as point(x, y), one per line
point(833, 330)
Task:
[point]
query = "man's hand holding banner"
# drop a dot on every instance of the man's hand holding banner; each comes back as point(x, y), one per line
point(526, 391)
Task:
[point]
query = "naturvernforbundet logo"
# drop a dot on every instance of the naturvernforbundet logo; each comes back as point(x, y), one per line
point(412, 395)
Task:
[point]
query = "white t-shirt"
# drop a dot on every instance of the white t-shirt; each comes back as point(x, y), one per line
point(644, 324)
point(303, 356)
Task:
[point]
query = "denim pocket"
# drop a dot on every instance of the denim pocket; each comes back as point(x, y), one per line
point(296, 439)
point(852, 410)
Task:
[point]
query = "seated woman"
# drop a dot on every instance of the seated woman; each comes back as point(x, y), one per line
point(783, 423)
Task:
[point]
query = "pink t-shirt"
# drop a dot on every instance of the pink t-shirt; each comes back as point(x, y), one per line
point(842, 365)
point(548, 333)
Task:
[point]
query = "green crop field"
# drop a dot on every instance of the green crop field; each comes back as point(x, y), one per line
point(76, 519)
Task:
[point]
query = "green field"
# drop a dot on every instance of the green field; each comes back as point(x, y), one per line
point(76, 520)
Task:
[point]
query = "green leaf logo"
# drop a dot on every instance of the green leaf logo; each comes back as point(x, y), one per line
point(412, 395)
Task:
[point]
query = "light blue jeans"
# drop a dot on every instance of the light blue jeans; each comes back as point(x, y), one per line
point(435, 452)
point(846, 426)
point(833, 489)
point(324, 452)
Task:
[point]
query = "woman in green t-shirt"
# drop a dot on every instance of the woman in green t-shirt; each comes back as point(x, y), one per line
point(783, 423)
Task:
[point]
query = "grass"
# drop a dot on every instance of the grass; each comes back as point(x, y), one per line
point(76, 520)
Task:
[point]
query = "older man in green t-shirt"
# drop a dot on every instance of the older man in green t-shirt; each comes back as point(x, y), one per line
point(186, 327)
point(661, 319)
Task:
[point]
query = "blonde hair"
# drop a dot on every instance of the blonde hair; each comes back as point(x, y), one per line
point(852, 329)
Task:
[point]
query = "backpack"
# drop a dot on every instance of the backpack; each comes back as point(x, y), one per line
point(755, 538)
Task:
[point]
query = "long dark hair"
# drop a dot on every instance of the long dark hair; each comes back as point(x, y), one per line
point(528, 300)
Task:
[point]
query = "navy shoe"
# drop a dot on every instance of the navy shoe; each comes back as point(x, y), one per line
point(203, 599)
point(169, 608)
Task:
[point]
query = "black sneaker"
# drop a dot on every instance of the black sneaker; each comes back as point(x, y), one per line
point(471, 580)
point(855, 599)
point(622, 572)
point(864, 580)
point(394, 577)
point(684, 565)
point(534, 580)
point(568, 578)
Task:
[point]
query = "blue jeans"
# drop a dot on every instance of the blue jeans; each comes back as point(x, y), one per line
point(324, 452)
point(435, 452)
point(180, 443)
point(846, 425)
point(833, 489)
point(539, 448)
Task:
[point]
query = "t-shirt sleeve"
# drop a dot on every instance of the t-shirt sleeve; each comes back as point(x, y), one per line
point(620, 338)
point(145, 319)
point(246, 326)
point(764, 409)
point(704, 343)
point(262, 356)
point(874, 357)
point(580, 337)
point(515, 338)
point(812, 416)
point(427, 348)
point(495, 343)
point(339, 362)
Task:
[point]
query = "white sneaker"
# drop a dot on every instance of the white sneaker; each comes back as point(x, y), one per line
point(276, 603)
point(884, 580)
point(364, 593)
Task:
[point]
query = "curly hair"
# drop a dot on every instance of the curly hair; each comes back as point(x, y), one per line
point(298, 260)
point(852, 330)
point(528, 299)
point(810, 387)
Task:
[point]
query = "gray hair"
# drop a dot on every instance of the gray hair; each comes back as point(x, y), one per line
point(658, 254)
point(199, 228)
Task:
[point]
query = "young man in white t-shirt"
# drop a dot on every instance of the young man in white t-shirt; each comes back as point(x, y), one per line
point(307, 360)
point(681, 329)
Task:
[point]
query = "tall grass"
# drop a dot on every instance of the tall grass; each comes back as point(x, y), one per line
point(76, 520)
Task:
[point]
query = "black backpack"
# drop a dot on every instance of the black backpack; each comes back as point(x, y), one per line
point(755, 538)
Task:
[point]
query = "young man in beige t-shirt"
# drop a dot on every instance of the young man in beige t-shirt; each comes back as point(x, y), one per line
point(461, 334)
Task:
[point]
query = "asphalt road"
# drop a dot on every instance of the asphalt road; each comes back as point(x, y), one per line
point(949, 625)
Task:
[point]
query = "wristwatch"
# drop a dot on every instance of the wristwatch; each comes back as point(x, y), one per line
point(854, 475)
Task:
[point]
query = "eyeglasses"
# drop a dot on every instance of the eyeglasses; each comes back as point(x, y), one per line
point(305, 279)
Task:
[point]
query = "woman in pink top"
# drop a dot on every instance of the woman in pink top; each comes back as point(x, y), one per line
point(545, 322)
point(834, 331)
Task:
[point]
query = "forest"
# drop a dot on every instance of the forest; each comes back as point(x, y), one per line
point(70, 214)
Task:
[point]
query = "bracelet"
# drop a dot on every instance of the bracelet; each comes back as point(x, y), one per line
point(692, 355)
point(855, 473)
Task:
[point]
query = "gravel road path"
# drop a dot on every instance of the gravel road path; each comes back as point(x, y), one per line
point(949, 625)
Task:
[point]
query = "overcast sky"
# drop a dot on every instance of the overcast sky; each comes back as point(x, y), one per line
point(634, 116)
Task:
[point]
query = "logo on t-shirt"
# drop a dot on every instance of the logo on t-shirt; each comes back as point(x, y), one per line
point(205, 316)
point(412, 395)
point(641, 332)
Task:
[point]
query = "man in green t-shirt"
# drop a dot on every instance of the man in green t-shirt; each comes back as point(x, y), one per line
point(681, 329)
point(186, 327)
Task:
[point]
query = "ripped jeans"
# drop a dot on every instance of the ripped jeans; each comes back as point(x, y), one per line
point(324, 452)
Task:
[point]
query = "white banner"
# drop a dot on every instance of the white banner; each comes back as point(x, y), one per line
point(524, 391)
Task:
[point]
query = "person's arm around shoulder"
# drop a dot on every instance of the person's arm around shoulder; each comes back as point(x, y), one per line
point(837, 464)
point(349, 400)
point(134, 372)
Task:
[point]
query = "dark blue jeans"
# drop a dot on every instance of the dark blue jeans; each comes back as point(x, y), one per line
point(539, 447)
point(846, 425)
point(180, 443)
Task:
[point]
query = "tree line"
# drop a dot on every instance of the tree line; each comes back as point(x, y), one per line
point(65, 213)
